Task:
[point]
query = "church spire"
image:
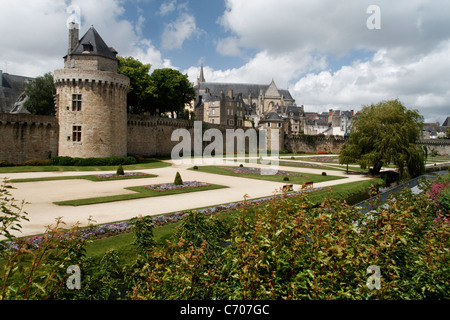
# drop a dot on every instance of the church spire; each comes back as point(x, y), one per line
point(201, 78)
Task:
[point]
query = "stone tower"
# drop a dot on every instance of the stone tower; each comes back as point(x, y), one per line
point(91, 99)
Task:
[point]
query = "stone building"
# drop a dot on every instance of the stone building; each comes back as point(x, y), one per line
point(256, 99)
point(91, 99)
point(225, 109)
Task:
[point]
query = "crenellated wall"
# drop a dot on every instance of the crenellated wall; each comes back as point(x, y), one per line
point(26, 137)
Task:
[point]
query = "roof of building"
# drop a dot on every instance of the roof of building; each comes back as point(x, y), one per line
point(99, 47)
point(10, 90)
point(446, 122)
point(246, 89)
point(272, 116)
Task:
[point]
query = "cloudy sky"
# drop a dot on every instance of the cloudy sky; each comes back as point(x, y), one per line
point(328, 53)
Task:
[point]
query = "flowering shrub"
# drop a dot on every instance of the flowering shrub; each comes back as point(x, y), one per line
point(288, 249)
point(440, 194)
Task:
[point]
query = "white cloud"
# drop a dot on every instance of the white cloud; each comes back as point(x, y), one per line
point(37, 44)
point(297, 40)
point(229, 46)
point(420, 83)
point(167, 7)
point(178, 31)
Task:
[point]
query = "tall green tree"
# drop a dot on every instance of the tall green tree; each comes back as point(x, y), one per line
point(40, 95)
point(172, 91)
point(141, 87)
point(386, 133)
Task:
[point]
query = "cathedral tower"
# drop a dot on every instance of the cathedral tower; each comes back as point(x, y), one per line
point(91, 99)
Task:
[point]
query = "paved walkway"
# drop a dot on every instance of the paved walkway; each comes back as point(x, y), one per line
point(41, 195)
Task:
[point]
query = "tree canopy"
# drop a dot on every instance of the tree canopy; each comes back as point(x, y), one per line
point(172, 91)
point(164, 90)
point(40, 95)
point(141, 87)
point(385, 133)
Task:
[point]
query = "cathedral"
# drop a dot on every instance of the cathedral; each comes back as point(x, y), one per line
point(232, 104)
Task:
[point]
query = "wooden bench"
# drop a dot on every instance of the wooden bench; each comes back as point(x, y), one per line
point(287, 187)
point(309, 184)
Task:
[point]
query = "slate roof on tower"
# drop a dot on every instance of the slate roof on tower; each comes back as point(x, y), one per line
point(92, 43)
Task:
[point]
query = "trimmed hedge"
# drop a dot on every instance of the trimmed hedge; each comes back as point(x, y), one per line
point(111, 161)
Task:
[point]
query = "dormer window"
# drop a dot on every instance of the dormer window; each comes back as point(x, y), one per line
point(87, 47)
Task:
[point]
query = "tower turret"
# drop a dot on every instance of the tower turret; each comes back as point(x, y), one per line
point(91, 99)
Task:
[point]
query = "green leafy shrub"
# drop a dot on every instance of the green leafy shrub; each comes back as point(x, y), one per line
point(286, 179)
point(324, 173)
point(120, 171)
point(5, 163)
point(37, 162)
point(444, 201)
point(143, 229)
point(110, 161)
point(178, 181)
point(195, 168)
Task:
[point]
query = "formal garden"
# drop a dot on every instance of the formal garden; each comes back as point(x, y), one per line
point(311, 246)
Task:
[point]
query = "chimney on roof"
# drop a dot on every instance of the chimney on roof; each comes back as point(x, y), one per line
point(330, 112)
point(230, 93)
point(352, 112)
point(73, 36)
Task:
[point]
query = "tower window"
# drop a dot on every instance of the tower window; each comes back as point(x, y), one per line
point(76, 133)
point(76, 102)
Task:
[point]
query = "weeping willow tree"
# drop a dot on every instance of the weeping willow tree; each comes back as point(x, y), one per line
point(386, 133)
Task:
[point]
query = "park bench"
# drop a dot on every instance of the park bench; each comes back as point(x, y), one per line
point(307, 184)
point(287, 187)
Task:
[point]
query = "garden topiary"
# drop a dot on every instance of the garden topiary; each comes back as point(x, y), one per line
point(120, 171)
point(178, 181)
point(324, 173)
point(286, 179)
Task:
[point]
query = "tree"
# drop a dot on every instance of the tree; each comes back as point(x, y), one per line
point(386, 133)
point(40, 95)
point(141, 87)
point(447, 132)
point(172, 91)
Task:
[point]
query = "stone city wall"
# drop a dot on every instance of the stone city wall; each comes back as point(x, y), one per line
point(26, 137)
point(313, 144)
point(442, 146)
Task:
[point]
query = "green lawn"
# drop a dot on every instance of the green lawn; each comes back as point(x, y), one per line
point(140, 192)
point(87, 177)
point(275, 178)
point(142, 165)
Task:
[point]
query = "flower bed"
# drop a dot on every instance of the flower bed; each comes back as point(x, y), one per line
point(334, 159)
point(302, 164)
point(114, 175)
point(244, 170)
point(171, 186)
point(104, 230)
